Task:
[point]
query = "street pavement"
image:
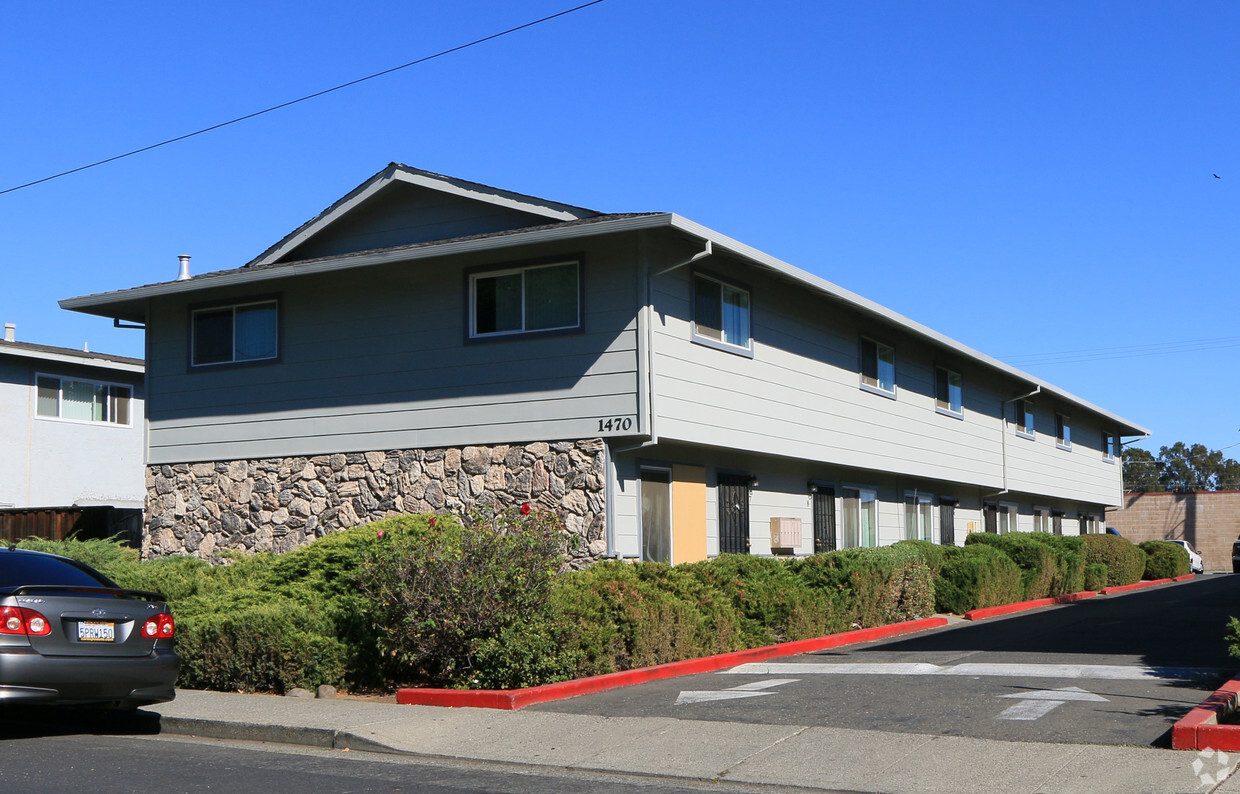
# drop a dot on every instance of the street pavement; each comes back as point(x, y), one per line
point(809, 757)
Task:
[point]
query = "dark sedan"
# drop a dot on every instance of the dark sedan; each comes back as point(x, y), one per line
point(71, 636)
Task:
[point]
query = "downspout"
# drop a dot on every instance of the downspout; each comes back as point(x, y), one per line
point(1003, 440)
point(647, 311)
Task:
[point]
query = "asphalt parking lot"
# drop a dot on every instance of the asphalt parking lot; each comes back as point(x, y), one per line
point(1110, 670)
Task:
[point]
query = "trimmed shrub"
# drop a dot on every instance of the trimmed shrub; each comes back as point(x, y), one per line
point(1125, 562)
point(438, 590)
point(1164, 560)
point(1036, 560)
point(1095, 576)
point(764, 590)
point(1069, 554)
point(247, 641)
point(877, 586)
point(932, 554)
point(977, 575)
point(616, 616)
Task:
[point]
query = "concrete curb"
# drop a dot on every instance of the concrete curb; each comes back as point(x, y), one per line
point(510, 699)
point(1020, 606)
point(1200, 728)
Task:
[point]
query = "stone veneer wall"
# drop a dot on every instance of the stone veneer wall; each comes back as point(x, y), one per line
point(278, 504)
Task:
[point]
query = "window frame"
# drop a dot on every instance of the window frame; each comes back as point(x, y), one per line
point(60, 392)
point(696, 337)
point(1063, 431)
point(1026, 409)
point(876, 387)
point(939, 370)
point(1110, 446)
point(234, 362)
point(644, 534)
point(923, 504)
point(472, 275)
point(1042, 519)
point(841, 521)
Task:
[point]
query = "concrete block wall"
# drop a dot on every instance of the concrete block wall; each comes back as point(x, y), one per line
point(1209, 521)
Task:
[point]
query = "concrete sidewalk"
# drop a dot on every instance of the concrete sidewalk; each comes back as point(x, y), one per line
point(811, 757)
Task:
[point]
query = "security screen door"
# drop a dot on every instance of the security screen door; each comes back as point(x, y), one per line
point(733, 495)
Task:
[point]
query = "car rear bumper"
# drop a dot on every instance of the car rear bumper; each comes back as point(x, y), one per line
point(28, 677)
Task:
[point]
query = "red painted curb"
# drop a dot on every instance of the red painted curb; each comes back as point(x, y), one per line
point(1199, 729)
point(1124, 588)
point(511, 699)
point(1184, 578)
point(1021, 606)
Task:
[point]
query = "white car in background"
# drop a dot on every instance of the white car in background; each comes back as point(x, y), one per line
point(1194, 559)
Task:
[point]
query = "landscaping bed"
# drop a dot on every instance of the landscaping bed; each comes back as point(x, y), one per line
point(487, 603)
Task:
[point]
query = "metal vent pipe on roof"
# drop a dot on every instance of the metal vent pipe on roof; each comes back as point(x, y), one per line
point(183, 275)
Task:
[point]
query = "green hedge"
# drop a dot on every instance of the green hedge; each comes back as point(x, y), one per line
point(1036, 560)
point(1095, 576)
point(1164, 560)
point(977, 575)
point(1125, 562)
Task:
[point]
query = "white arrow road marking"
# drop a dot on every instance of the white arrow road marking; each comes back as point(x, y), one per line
point(1112, 672)
point(1042, 702)
point(1067, 693)
point(732, 693)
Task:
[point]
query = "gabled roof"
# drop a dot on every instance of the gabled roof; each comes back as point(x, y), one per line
point(539, 210)
point(67, 355)
point(563, 223)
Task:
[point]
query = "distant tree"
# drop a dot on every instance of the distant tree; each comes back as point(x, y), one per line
point(1140, 470)
point(1180, 467)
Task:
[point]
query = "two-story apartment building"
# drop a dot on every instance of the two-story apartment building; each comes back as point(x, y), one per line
point(429, 343)
point(72, 445)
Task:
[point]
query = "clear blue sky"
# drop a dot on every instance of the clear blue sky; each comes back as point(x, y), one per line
point(1034, 179)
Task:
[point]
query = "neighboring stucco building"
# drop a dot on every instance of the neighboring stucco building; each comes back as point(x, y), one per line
point(73, 429)
point(429, 343)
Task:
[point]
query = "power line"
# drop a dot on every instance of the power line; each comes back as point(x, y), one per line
point(1132, 351)
point(315, 95)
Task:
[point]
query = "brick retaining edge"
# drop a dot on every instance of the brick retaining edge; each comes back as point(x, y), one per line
point(511, 699)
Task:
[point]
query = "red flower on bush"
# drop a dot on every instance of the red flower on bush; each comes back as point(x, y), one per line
point(379, 534)
point(432, 521)
point(525, 509)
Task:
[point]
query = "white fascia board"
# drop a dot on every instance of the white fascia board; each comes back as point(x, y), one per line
point(893, 318)
point(99, 303)
point(80, 361)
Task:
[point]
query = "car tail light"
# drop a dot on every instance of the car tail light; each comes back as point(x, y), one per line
point(159, 627)
point(19, 620)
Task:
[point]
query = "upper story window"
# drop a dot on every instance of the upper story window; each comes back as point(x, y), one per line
point(1024, 418)
point(525, 299)
point(234, 334)
point(83, 400)
point(720, 313)
point(1110, 445)
point(878, 366)
point(948, 391)
point(1063, 431)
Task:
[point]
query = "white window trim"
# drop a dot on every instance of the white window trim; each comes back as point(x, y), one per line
point(940, 409)
point(875, 388)
point(1043, 513)
point(1020, 419)
point(1067, 425)
point(839, 521)
point(920, 498)
point(508, 271)
point(746, 349)
point(234, 361)
point(1109, 443)
point(60, 400)
point(671, 527)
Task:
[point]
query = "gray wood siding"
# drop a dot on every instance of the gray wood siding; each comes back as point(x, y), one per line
point(403, 214)
point(800, 396)
point(378, 359)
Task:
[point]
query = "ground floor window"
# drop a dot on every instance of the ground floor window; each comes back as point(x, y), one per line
point(918, 516)
point(656, 528)
point(1041, 519)
point(860, 517)
point(1000, 517)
